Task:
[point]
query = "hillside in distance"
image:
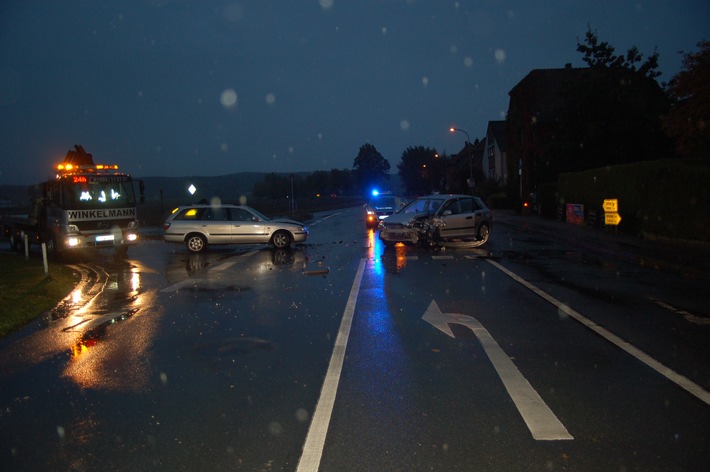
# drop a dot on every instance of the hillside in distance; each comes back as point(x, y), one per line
point(229, 188)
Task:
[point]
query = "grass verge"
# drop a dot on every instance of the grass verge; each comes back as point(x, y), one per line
point(26, 292)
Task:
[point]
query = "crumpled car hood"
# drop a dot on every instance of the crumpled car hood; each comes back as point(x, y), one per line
point(403, 218)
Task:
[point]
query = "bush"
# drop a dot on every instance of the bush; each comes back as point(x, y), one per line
point(666, 197)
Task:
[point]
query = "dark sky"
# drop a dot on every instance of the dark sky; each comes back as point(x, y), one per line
point(205, 87)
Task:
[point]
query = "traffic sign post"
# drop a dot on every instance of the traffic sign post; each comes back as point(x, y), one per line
point(612, 219)
point(611, 212)
point(611, 205)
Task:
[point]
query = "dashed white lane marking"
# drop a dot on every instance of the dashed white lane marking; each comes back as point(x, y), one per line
point(670, 374)
point(228, 264)
point(685, 314)
point(442, 257)
point(313, 447)
point(181, 284)
point(316, 223)
point(221, 267)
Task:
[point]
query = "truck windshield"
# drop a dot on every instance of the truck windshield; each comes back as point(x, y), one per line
point(98, 194)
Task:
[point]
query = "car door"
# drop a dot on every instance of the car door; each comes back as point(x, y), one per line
point(216, 224)
point(459, 218)
point(247, 228)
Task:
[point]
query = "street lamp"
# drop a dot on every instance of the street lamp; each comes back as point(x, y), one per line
point(470, 162)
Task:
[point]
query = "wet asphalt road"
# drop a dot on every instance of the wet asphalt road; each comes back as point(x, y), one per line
point(222, 361)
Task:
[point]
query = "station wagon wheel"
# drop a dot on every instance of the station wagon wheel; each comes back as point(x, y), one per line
point(281, 239)
point(483, 232)
point(195, 243)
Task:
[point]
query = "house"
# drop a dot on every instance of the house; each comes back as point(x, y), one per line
point(465, 167)
point(536, 103)
point(495, 164)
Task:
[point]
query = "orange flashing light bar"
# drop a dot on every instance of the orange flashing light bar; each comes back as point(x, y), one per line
point(98, 167)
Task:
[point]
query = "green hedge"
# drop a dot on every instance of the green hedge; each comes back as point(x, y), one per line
point(665, 198)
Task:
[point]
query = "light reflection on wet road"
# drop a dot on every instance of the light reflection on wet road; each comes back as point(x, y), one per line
point(173, 361)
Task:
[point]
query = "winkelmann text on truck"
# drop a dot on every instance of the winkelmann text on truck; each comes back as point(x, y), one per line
point(86, 206)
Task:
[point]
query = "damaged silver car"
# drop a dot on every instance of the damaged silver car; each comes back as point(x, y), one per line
point(439, 220)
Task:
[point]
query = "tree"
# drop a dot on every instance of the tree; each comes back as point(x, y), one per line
point(370, 167)
point(601, 56)
point(420, 170)
point(610, 114)
point(688, 121)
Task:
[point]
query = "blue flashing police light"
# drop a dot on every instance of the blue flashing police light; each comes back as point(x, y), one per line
point(375, 192)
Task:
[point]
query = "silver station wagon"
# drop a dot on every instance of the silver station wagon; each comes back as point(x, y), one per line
point(439, 220)
point(199, 226)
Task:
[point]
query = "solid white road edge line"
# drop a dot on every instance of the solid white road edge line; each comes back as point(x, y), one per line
point(313, 447)
point(683, 382)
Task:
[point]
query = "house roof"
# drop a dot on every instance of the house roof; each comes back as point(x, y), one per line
point(542, 89)
point(497, 130)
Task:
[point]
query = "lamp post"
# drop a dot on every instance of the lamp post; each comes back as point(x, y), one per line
point(470, 162)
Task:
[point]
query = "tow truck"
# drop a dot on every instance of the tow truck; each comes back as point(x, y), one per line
point(87, 206)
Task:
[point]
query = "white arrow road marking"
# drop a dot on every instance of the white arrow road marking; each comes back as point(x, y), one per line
point(680, 380)
point(541, 421)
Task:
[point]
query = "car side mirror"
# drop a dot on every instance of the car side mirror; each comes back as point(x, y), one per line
point(446, 212)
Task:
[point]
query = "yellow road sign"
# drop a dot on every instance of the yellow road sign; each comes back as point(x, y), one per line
point(612, 219)
point(611, 205)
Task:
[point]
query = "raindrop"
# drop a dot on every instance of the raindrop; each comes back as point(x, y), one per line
point(500, 56)
point(425, 81)
point(270, 98)
point(404, 125)
point(326, 4)
point(275, 428)
point(164, 378)
point(233, 12)
point(468, 61)
point(60, 432)
point(301, 415)
point(228, 99)
point(563, 312)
